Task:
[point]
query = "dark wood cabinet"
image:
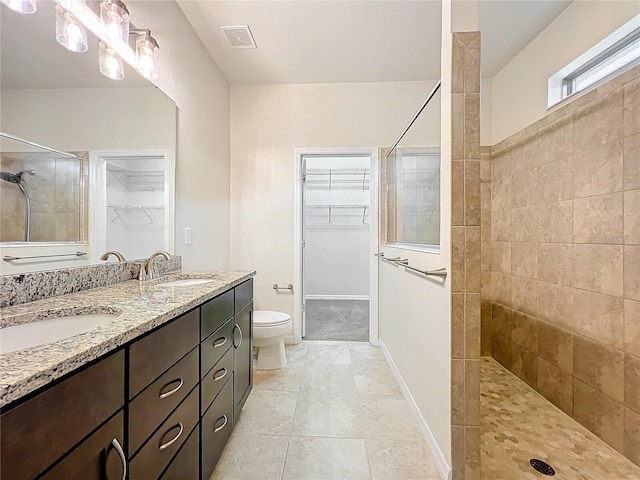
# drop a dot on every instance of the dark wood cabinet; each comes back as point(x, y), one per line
point(216, 426)
point(153, 354)
point(42, 429)
point(242, 358)
point(99, 457)
point(163, 406)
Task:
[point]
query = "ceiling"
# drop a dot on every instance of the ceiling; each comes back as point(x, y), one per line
point(352, 41)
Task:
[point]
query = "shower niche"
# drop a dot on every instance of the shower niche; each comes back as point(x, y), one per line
point(41, 193)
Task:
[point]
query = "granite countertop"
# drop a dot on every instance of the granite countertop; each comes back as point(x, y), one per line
point(143, 306)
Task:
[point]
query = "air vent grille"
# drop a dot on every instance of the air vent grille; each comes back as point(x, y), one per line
point(239, 36)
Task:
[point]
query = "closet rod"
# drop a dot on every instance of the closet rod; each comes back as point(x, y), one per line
point(424, 105)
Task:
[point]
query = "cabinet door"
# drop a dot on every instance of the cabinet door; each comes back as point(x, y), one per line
point(99, 457)
point(242, 358)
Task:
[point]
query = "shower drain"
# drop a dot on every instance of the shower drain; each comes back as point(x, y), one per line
point(542, 467)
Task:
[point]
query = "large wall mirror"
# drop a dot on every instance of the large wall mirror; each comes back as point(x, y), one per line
point(88, 163)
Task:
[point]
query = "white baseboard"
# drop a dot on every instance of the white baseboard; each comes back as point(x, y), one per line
point(441, 462)
point(336, 297)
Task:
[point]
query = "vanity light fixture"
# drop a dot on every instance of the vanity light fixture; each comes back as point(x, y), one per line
point(114, 15)
point(146, 54)
point(111, 65)
point(21, 6)
point(70, 33)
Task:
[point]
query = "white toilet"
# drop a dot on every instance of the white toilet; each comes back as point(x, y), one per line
point(269, 330)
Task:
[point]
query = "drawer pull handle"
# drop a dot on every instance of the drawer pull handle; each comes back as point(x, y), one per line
point(218, 343)
point(173, 440)
point(217, 377)
point(224, 424)
point(171, 392)
point(240, 332)
point(123, 459)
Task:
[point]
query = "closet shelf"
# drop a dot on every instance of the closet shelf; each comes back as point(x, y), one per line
point(133, 208)
point(359, 211)
point(137, 179)
point(338, 179)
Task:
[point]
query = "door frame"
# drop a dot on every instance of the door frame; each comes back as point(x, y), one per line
point(374, 234)
point(98, 199)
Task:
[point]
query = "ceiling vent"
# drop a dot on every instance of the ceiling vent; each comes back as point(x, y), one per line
point(239, 36)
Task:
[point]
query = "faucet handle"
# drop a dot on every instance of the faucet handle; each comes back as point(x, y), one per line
point(142, 274)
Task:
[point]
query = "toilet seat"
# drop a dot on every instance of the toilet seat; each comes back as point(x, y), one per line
point(267, 318)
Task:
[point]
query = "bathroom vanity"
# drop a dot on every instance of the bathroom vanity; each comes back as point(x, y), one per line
point(154, 394)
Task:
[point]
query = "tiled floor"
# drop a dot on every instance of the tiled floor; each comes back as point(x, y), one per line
point(334, 412)
point(518, 424)
point(337, 320)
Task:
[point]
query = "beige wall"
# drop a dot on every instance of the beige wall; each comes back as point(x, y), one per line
point(268, 122)
point(191, 78)
point(520, 88)
point(565, 259)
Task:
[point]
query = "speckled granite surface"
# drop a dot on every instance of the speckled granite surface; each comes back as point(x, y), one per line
point(144, 306)
point(29, 287)
point(518, 425)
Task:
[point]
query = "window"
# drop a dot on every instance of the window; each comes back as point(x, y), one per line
point(413, 197)
point(618, 52)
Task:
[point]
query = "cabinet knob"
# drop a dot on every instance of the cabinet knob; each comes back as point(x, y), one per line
point(174, 439)
point(219, 342)
point(234, 337)
point(224, 424)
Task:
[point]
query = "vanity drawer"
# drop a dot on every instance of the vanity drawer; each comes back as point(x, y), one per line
point(41, 430)
point(217, 424)
point(244, 294)
point(155, 402)
point(96, 458)
point(215, 312)
point(215, 379)
point(212, 349)
point(186, 464)
point(152, 355)
point(156, 454)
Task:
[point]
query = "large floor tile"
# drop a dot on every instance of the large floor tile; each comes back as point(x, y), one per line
point(366, 354)
point(285, 379)
point(252, 457)
point(328, 353)
point(326, 458)
point(327, 414)
point(375, 379)
point(320, 378)
point(296, 353)
point(399, 459)
point(387, 417)
point(267, 413)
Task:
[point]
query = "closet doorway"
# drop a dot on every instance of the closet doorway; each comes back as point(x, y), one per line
point(337, 235)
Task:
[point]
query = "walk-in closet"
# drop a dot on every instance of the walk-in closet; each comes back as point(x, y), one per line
point(337, 233)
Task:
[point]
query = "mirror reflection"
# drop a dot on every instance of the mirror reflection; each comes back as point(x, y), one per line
point(87, 123)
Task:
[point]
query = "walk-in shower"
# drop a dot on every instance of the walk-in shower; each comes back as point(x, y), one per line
point(21, 182)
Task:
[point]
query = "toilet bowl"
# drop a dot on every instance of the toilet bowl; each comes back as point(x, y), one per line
point(269, 330)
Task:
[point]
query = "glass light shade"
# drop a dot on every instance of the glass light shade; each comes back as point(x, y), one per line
point(22, 6)
point(70, 33)
point(111, 65)
point(115, 18)
point(147, 56)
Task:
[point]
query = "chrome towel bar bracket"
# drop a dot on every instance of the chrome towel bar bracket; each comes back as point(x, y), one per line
point(289, 287)
point(403, 262)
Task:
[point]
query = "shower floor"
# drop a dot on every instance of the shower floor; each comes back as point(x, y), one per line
point(337, 320)
point(518, 424)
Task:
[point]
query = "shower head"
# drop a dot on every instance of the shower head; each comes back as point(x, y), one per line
point(15, 177)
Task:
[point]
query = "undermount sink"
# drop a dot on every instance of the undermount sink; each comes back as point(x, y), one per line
point(48, 330)
point(186, 282)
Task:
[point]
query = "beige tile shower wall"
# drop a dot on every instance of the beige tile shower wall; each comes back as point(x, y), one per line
point(562, 307)
point(57, 203)
point(465, 256)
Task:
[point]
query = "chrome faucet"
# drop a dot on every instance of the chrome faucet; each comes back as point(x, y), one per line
point(116, 254)
point(151, 267)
